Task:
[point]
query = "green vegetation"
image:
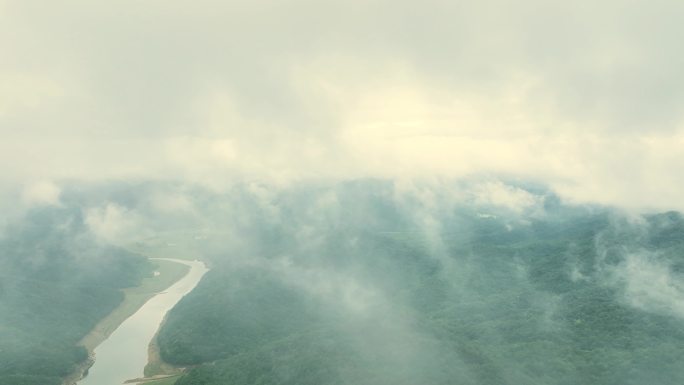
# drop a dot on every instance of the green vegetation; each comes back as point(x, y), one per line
point(176, 244)
point(56, 283)
point(134, 298)
point(391, 294)
point(164, 381)
point(360, 283)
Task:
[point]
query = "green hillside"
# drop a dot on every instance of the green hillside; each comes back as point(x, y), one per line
point(56, 283)
point(376, 297)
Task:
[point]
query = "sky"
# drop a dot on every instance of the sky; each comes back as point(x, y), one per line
point(586, 97)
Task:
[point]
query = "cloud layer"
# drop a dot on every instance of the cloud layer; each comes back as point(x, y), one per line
point(584, 97)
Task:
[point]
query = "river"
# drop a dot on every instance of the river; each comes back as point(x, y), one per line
point(123, 355)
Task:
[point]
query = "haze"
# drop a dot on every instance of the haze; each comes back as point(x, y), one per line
point(583, 96)
point(380, 192)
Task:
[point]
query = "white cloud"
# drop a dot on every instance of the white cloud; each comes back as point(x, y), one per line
point(113, 223)
point(497, 193)
point(172, 202)
point(651, 286)
point(586, 97)
point(42, 193)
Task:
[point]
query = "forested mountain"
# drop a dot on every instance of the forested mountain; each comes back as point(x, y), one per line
point(342, 192)
point(360, 282)
point(374, 283)
point(56, 282)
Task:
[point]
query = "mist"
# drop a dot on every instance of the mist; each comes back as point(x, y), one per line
point(582, 97)
point(443, 192)
point(468, 281)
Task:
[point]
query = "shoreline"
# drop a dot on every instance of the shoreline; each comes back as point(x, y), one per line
point(156, 366)
point(134, 299)
point(80, 371)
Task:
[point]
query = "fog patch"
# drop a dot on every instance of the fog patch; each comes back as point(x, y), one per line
point(379, 326)
point(497, 193)
point(650, 285)
point(42, 193)
point(172, 202)
point(113, 223)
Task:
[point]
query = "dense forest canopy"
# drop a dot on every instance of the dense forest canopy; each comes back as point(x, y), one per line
point(480, 281)
point(56, 282)
point(372, 283)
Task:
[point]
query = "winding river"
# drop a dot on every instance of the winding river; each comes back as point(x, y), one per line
point(123, 355)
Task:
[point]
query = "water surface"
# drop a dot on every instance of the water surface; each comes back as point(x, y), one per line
point(123, 355)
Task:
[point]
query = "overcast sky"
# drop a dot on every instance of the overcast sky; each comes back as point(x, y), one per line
point(586, 97)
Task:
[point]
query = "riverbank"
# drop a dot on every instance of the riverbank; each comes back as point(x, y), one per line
point(155, 365)
point(134, 298)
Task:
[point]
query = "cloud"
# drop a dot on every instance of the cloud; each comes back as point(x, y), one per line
point(584, 97)
point(42, 193)
point(113, 223)
point(499, 194)
point(651, 286)
point(170, 202)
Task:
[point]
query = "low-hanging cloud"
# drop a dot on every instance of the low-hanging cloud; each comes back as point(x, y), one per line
point(584, 97)
point(650, 285)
